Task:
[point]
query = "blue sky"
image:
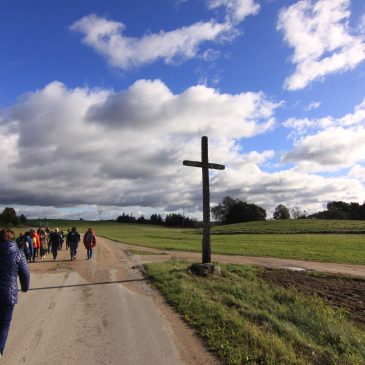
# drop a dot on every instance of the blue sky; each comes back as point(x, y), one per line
point(100, 101)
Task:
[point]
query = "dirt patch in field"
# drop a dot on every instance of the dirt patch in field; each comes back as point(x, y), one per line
point(338, 291)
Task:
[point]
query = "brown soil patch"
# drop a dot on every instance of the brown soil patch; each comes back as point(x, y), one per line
point(338, 291)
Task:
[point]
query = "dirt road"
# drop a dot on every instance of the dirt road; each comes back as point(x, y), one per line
point(97, 311)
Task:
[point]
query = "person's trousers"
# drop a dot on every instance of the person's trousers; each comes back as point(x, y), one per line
point(35, 253)
point(73, 249)
point(6, 313)
point(89, 253)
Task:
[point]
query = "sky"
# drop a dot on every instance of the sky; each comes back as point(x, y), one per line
point(102, 100)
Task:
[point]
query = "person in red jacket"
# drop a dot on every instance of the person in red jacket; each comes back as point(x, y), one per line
point(89, 242)
point(36, 243)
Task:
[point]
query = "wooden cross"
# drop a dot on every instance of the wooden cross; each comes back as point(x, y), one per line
point(205, 166)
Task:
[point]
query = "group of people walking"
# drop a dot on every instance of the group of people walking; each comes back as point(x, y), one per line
point(40, 243)
point(15, 254)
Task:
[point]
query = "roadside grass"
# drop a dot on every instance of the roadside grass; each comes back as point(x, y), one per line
point(143, 252)
point(246, 320)
point(340, 248)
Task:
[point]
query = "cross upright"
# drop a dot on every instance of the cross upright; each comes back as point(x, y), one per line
point(205, 166)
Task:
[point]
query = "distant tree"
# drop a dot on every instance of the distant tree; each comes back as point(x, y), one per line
point(141, 220)
point(341, 210)
point(125, 218)
point(221, 211)
point(281, 212)
point(245, 212)
point(23, 219)
point(174, 220)
point(235, 211)
point(156, 219)
point(8, 216)
point(297, 213)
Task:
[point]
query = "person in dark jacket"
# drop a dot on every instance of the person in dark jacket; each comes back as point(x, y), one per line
point(12, 264)
point(73, 239)
point(30, 245)
point(55, 240)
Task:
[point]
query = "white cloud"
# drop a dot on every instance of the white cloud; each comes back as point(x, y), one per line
point(313, 105)
point(106, 37)
point(175, 46)
point(98, 147)
point(237, 10)
point(361, 25)
point(329, 150)
point(357, 172)
point(92, 148)
point(328, 144)
point(320, 35)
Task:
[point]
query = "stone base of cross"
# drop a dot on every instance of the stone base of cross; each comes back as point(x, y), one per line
point(205, 166)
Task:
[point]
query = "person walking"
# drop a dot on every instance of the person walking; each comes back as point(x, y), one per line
point(36, 243)
point(12, 264)
point(62, 238)
point(44, 244)
point(23, 244)
point(89, 242)
point(67, 243)
point(55, 241)
point(30, 246)
point(73, 239)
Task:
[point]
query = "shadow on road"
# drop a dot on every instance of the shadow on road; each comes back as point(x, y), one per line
point(88, 284)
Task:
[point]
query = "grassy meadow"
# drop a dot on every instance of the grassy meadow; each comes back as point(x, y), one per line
point(247, 320)
point(335, 241)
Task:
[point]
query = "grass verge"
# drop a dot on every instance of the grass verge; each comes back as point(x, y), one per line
point(246, 320)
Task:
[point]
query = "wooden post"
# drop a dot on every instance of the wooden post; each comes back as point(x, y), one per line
point(205, 166)
point(206, 203)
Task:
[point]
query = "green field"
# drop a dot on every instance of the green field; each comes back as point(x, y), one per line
point(293, 226)
point(341, 247)
point(247, 320)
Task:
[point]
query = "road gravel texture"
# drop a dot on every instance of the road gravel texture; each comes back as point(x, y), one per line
point(98, 311)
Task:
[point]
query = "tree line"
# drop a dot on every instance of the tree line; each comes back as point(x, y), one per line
point(171, 220)
point(341, 210)
point(231, 211)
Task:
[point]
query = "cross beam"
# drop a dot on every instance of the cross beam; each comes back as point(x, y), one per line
point(205, 166)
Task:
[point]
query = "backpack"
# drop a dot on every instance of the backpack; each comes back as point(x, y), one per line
point(89, 237)
point(23, 244)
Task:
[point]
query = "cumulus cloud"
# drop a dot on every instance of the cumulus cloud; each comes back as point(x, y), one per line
point(328, 144)
point(106, 37)
point(237, 10)
point(357, 172)
point(92, 148)
point(67, 147)
point(175, 46)
point(198, 109)
point(320, 34)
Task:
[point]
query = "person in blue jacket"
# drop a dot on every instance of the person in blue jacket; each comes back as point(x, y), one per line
point(30, 245)
point(12, 264)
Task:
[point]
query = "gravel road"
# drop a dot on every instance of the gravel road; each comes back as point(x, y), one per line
point(97, 311)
